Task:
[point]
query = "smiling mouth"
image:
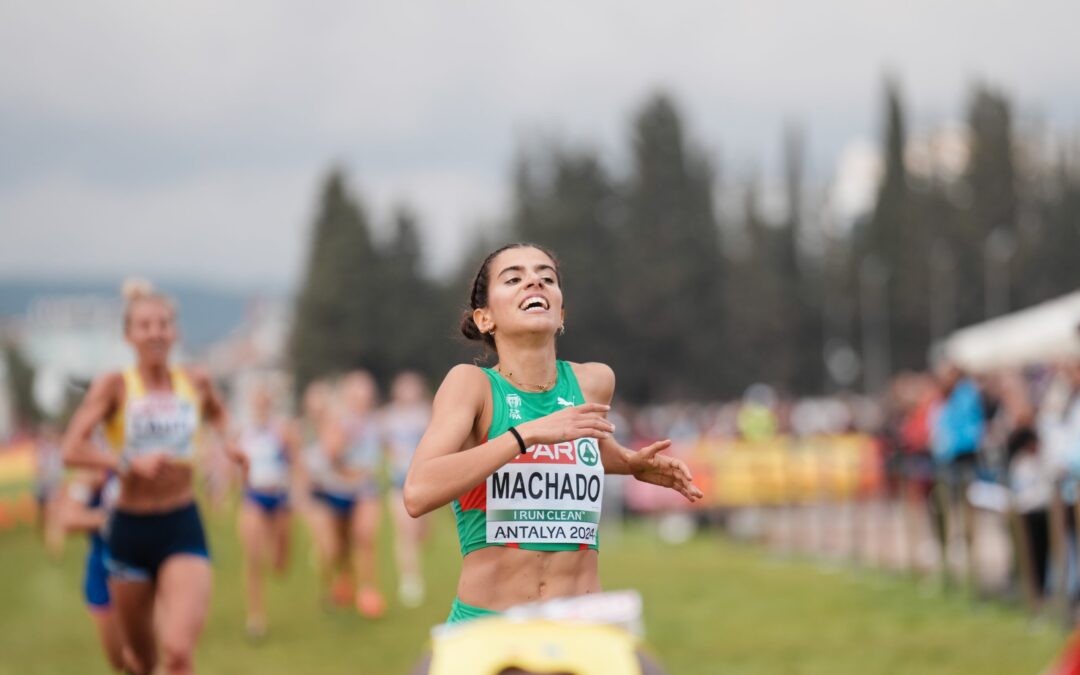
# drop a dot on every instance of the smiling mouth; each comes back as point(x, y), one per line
point(534, 304)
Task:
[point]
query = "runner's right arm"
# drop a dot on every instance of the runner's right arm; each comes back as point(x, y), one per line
point(81, 452)
point(99, 403)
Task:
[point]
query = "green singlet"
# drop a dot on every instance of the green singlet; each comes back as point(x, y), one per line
point(547, 499)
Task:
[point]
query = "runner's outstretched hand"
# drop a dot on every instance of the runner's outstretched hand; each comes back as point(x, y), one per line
point(648, 466)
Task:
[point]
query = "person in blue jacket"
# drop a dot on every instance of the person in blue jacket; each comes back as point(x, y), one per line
point(956, 434)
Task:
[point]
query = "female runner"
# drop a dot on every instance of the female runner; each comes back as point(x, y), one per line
point(157, 549)
point(403, 422)
point(84, 507)
point(359, 462)
point(316, 430)
point(264, 514)
point(344, 477)
point(521, 449)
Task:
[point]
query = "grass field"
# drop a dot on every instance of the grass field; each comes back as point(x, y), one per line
point(712, 606)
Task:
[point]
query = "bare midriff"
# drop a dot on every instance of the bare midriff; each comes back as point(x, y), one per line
point(499, 577)
point(167, 491)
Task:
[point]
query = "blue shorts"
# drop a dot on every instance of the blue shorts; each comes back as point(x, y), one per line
point(96, 578)
point(341, 505)
point(269, 502)
point(140, 543)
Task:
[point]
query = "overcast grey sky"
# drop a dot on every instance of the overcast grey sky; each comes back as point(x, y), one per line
point(186, 140)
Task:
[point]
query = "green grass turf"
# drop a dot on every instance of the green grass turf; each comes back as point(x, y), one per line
point(712, 606)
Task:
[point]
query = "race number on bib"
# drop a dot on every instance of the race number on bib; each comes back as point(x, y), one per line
point(549, 495)
point(156, 422)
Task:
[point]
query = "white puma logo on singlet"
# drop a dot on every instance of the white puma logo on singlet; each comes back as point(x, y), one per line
point(563, 402)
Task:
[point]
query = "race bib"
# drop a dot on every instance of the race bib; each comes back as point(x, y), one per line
point(161, 422)
point(552, 494)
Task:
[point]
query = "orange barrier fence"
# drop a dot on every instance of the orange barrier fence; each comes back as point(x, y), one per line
point(17, 485)
point(783, 470)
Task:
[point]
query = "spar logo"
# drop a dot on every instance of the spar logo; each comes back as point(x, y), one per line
point(587, 451)
point(543, 453)
point(513, 403)
point(582, 451)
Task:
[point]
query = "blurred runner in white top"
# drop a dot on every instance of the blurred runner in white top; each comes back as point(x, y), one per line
point(403, 422)
point(360, 464)
point(48, 474)
point(83, 506)
point(270, 444)
point(345, 477)
point(327, 516)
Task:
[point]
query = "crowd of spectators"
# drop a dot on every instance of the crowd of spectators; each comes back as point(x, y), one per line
point(1013, 434)
point(1018, 430)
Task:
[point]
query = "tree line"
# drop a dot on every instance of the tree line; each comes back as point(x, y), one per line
point(686, 300)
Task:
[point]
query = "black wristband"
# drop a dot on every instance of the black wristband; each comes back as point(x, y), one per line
point(520, 440)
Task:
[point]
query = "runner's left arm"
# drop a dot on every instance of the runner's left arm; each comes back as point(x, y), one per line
point(217, 415)
point(597, 382)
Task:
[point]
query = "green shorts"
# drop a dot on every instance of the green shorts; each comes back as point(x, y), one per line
point(461, 612)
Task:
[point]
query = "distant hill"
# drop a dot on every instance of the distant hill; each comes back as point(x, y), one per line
point(206, 314)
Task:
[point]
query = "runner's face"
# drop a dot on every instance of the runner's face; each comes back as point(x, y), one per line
point(151, 331)
point(523, 294)
point(261, 403)
point(408, 389)
point(358, 390)
point(315, 399)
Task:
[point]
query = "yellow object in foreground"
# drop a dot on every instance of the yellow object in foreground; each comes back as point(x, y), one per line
point(489, 646)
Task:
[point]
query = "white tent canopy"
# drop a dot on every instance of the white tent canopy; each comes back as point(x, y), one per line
point(1038, 334)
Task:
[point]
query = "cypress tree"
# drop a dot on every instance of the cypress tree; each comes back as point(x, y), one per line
point(20, 373)
point(332, 331)
point(413, 318)
point(670, 264)
point(755, 304)
point(565, 200)
point(892, 254)
point(987, 227)
point(801, 282)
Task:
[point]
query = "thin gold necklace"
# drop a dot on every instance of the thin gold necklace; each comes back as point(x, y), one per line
point(538, 387)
